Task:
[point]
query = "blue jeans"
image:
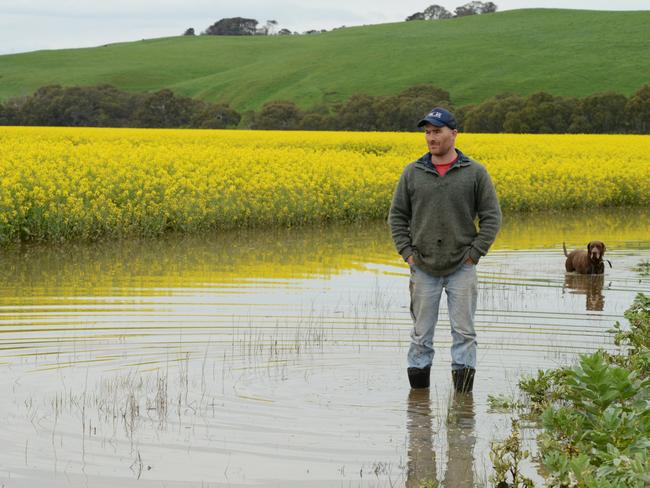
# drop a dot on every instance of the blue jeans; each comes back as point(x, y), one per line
point(461, 287)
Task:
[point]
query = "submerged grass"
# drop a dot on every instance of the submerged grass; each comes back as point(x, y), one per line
point(184, 385)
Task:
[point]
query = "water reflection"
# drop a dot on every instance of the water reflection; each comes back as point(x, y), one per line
point(126, 267)
point(461, 439)
point(421, 456)
point(577, 227)
point(589, 285)
point(248, 327)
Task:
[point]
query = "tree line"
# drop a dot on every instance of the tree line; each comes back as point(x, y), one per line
point(106, 106)
point(543, 113)
point(438, 12)
point(243, 26)
point(539, 113)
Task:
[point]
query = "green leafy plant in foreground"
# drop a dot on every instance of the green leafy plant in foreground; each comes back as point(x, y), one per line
point(503, 403)
point(506, 457)
point(428, 484)
point(600, 433)
point(596, 420)
point(635, 340)
point(643, 268)
point(547, 387)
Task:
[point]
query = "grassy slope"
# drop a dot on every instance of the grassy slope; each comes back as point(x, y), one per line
point(565, 52)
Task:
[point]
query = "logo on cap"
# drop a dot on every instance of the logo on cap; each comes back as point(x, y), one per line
point(439, 117)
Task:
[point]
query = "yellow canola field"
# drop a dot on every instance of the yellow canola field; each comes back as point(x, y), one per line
point(83, 183)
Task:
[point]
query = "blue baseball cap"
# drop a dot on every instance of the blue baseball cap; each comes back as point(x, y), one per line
point(439, 117)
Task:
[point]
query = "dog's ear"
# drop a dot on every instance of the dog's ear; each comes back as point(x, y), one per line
point(604, 247)
point(591, 243)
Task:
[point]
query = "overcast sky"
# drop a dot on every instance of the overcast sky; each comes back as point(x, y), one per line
point(28, 25)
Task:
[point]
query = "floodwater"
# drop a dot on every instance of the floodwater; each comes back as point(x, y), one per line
point(277, 358)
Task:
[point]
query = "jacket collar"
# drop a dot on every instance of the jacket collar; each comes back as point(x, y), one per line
point(425, 162)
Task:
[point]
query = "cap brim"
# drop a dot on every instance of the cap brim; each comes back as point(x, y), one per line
point(435, 122)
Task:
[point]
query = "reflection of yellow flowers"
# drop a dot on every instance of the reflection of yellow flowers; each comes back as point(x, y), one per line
point(166, 266)
point(61, 183)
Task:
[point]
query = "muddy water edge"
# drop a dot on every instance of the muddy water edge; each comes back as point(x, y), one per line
point(277, 358)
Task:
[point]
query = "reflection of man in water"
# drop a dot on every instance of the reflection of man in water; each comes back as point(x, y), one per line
point(460, 440)
point(421, 463)
point(589, 285)
point(432, 221)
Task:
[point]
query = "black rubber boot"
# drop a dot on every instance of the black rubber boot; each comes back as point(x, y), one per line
point(463, 379)
point(419, 377)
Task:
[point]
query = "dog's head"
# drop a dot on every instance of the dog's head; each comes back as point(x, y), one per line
point(596, 250)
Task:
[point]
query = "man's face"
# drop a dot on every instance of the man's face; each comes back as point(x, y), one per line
point(440, 139)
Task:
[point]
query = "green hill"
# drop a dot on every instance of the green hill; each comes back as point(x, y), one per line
point(564, 52)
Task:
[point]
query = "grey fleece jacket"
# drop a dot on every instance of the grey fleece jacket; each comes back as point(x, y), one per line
point(433, 218)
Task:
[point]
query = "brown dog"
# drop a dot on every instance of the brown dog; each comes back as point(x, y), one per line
point(586, 262)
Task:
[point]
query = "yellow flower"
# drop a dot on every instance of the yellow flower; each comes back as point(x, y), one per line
point(84, 183)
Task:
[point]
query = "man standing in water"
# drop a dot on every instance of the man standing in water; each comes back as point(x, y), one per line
point(432, 220)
